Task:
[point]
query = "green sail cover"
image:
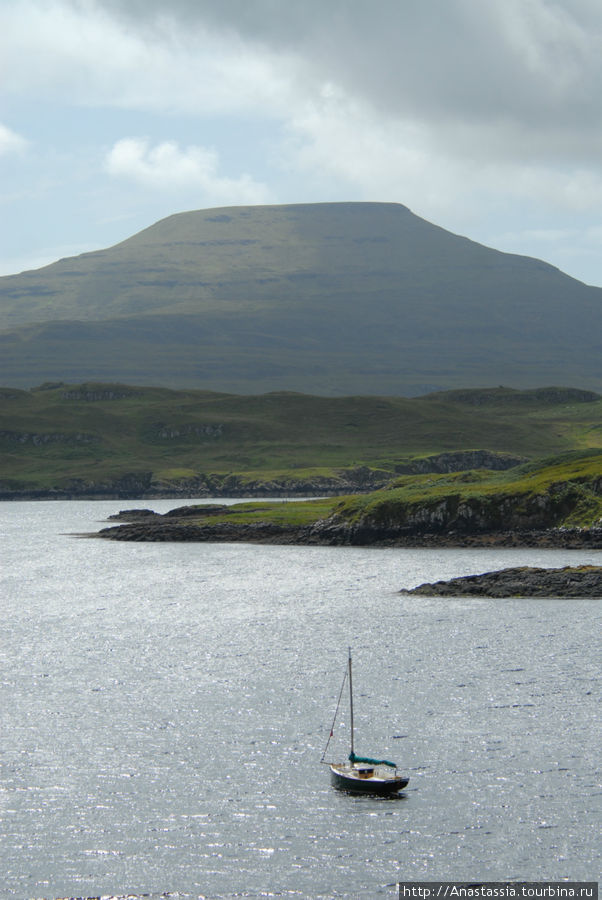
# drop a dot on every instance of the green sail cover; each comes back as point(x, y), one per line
point(371, 762)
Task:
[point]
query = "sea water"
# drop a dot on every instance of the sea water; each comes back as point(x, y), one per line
point(164, 709)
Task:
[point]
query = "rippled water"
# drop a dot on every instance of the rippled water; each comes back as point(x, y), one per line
point(164, 709)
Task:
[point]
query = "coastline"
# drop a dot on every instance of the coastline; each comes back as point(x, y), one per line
point(328, 533)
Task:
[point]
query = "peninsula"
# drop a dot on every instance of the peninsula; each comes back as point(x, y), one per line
point(555, 502)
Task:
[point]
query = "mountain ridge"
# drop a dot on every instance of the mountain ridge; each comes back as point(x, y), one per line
point(332, 298)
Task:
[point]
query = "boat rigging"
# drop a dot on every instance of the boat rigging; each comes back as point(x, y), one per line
point(361, 774)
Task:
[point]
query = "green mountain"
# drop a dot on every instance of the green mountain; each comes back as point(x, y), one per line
point(331, 299)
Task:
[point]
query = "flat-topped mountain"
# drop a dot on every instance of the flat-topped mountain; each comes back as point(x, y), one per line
point(333, 298)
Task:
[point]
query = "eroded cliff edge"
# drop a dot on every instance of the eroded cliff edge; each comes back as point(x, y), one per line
point(151, 527)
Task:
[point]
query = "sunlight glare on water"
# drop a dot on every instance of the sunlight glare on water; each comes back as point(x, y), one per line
point(165, 708)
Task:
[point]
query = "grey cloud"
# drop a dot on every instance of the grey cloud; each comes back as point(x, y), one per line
point(523, 65)
point(454, 45)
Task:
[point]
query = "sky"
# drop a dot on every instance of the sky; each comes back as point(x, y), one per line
point(482, 116)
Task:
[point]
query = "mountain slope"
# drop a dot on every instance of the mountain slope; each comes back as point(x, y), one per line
point(332, 298)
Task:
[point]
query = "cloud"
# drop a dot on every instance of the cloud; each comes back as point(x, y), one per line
point(467, 111)
point(503, 79)
point(528, 63)
point(166, 166)
point(86, 56)
point(10, 142)
point(432, 104)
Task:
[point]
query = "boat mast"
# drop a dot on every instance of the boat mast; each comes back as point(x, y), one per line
point(351, 700)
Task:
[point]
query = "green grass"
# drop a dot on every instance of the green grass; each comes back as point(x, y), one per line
point(571, 485)
point(97, 432)
point(293, 513)
point(568, 485)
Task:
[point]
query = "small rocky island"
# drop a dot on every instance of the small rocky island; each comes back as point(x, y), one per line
point(522, 581)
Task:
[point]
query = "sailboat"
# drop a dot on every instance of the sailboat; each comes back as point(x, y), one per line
point(361, 774)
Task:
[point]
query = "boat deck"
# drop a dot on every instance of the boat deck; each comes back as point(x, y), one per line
point(362, 779)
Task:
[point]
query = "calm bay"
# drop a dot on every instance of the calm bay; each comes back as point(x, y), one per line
point(164, 708)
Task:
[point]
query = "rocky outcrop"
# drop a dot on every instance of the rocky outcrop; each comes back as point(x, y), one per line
point(188, 430)
point(145, 486)
point(460, 461)
point(95, 395)
point(524, 581)
point(182, 512)
point(179, 530)
point(360, 479)
point(143, 525)
point(40, 439)
point(514, 396)
point(133, 484)
point(484, 513)
point(134, 515)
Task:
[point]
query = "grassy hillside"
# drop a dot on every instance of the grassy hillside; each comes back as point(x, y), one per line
point(67, 436)
point(331, 299)
point(555, 493)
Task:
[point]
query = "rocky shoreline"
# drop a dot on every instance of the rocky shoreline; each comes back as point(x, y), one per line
point(144, 486)
point(523, 581)
point(359, 479)
point(147, 526)
point(305, 490)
